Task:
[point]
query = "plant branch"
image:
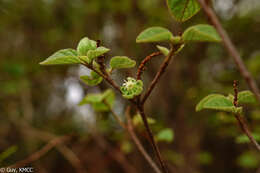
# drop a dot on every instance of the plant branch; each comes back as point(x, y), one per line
point(129, 128)
point(113, 152)
point(151, 138)
point(231, 48)
point(246, 130)
point(46, 137)
point(115, 115)
point(106, 76)
point(141, 67)
point(240, 119)
point(37, 155)
point(158, 75)
point(138, 143)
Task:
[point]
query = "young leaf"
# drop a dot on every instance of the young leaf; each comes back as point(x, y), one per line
point(97, 100)
point(85, 44)
point(137, 120)
point(64, 56)
point(92, 80)
point(245, 97)
point(201, 33)
point(8, 152)
point(163, 50)
point(154, 34)
point(218, 102)
point(97, 52)
point(248, 160)
point(118, 62)
point(244, 139)
point(183, 10)
point(180, 48)
point(91, 99)
point(165, 135)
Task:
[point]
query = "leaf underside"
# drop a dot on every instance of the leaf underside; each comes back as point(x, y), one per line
point(154, 34)
point(119, 62)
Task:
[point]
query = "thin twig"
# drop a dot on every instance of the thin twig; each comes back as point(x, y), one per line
point(151, 138)
point(138, 143)
point(46, 137)
point(130, 130)
point(115, 115)
point(37, 155)
point(105, 76)
point(231, 48)
point(246, 130)
point(158, 75)
point(240, 119)
point(62, 148)
point(141, 67)
point(113, 153)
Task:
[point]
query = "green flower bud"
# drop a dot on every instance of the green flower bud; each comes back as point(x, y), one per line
point(131, 88)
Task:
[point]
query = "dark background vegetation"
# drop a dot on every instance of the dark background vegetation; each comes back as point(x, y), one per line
point(38, 102)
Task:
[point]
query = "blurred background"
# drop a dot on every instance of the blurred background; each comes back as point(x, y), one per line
point(40, 103)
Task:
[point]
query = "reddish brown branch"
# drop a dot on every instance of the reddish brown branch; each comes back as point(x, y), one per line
point(37, 155)
point(235, 87)
point(129, 128)
point(246, 130)
point(240, 119)
point(151, 138)
point(138, 144)
point(106, 76)
point(113, 152)
point(158, 75)
point(141, 67)
point(231, 48)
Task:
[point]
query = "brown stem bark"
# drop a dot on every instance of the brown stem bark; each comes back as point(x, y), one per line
point(129, 128)
point(246, 130)
point(151, 138)
point(158, 75)
point(37, 155)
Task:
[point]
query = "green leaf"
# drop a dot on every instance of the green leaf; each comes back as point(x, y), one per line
point(126, 147)
point(205, 158)
point(244, 139)
point(97, 100)
point(64, 56)
point(154, 34)
point(8, 152)
point(165, 135)
point(245, 97)
point(91, 98)
point(183, 10)
point(248, 160)
point(92, 80)
point(180, 48)
point(218, 102)
point(201, 33)
point(163, 50)
point(118, 62)
point(137, 120)
point(97, 52)
point(85, 44)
